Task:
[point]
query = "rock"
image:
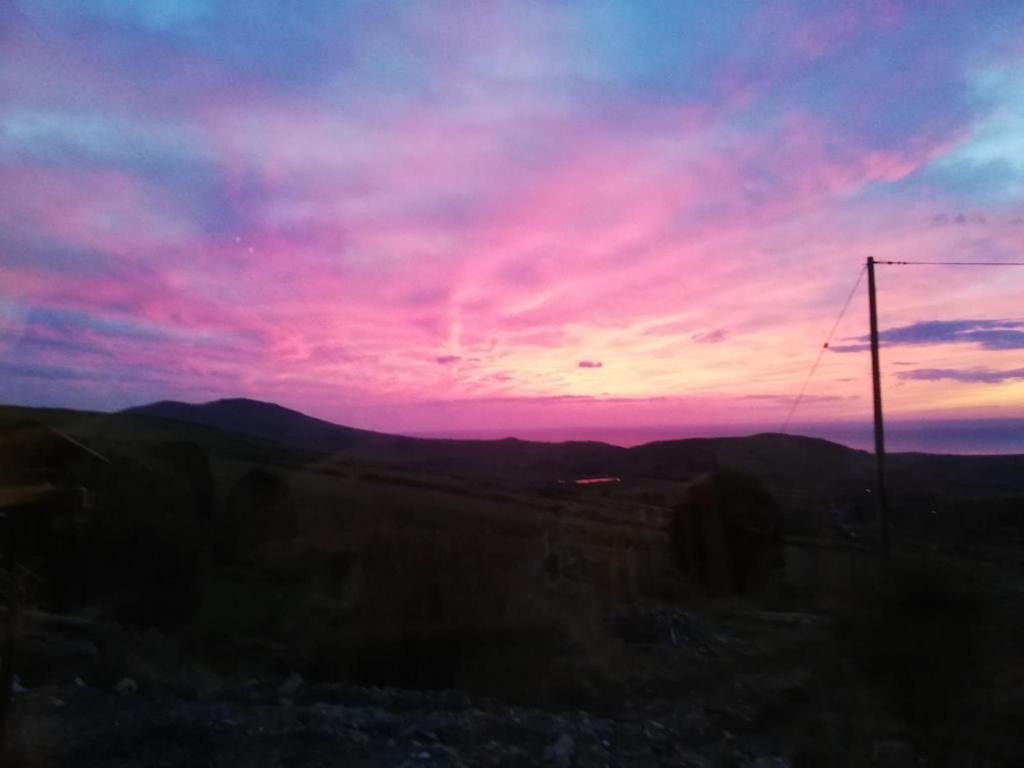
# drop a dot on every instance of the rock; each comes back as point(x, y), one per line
point(661, 625)
point(290, 686)
point(51, 657)
point(358, 737)
point(112, 642)
point(196, 682)
point(658, 736)
point(80, 682)
point(562, 752)
point(894, 754)
point(420, 731)
point(17, 687)
point(126, 687)
point(210, 692)
point(159, 650)
point(771, 762)
point(255, 690)
point(251, 684)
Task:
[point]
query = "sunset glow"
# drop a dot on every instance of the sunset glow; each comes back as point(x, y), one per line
point(430, 216)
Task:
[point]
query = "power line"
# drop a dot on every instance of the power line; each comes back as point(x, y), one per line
point(953, 263)
point(821, 352)
point(860, 275)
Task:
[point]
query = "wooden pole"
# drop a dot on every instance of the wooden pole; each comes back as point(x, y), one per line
point(876, 382)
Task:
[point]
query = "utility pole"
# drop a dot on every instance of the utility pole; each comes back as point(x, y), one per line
point(876, 380)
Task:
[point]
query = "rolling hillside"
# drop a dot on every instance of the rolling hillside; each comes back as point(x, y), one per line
point(808, 469)
point(805, 472)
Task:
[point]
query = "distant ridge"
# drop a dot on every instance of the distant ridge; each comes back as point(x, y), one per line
point(276, 424)
point(772, 454)
point(792, 464)
point(266, 421)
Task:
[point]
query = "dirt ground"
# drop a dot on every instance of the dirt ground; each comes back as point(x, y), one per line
point(737, 689)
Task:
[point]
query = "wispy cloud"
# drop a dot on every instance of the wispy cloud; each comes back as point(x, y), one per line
point(711, 337)
point(987, 334)
point(788, 399)
point(971, 375)
point(321, 203)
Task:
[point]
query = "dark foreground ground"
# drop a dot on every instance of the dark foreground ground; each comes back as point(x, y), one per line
point(360, 728)
point(918, 675)
point(741, 688)
point(401, 576)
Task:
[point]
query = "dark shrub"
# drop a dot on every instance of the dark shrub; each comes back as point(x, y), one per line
point(727, 532)
point(255, 517)
point(145, 547)
point(192, 465)
point(458, 611)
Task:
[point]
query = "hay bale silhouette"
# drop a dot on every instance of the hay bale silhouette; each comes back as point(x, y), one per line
point(192, 465)
point(727, 533)
point(256, 518)
point(148, 540)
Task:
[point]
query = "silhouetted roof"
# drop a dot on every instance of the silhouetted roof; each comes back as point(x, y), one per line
point(30, 424)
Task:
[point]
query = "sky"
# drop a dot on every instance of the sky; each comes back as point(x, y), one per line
point(429, 216)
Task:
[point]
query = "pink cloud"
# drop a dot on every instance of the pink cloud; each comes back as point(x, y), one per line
point(387, 258)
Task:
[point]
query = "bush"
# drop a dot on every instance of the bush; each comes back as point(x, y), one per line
point(191, 466)
point(146, 545)
point(256, 518)
point(727, 532)
point(427, 611)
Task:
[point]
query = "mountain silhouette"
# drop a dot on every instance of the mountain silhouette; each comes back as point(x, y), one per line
point(816, 466)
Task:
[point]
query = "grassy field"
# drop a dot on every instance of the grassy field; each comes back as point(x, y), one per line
point(393, 575)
